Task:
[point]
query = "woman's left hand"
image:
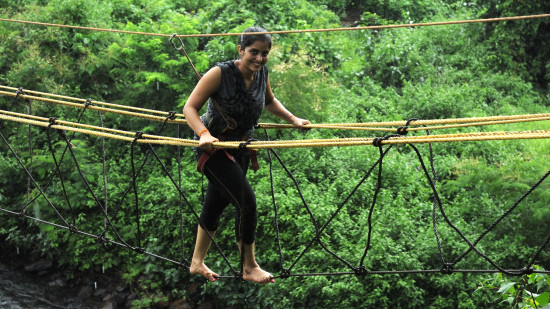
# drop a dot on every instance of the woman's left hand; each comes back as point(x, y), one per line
point(300, 123)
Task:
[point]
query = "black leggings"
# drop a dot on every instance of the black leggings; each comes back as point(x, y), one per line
point(228, 184)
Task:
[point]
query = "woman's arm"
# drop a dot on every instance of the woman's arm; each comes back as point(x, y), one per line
point(206, 86)
point(275, 107)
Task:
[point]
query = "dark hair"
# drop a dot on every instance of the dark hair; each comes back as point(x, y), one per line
point(247, 40)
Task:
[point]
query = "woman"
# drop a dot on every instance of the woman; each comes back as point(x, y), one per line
point(238, 91)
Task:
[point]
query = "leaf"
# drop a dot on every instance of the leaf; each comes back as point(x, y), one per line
point(541, 284)
point(543, 299)
point(505, 287)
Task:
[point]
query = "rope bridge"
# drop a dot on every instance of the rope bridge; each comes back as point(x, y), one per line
point(396, 134)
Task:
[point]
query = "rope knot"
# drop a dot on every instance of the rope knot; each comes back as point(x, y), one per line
point(243, 145)
point(87, 103)
point(171, 115)
point(139, 250)
point(101, 239)
point(72, 228)
point(403, 130)
point(52, 121)
point(22, 214)
point(360, 271)
point(139, 134)
point(446, 268)
point(377, 141)
point(285, 273)
point(184, 263)
point(526, 271)
point(239, 275)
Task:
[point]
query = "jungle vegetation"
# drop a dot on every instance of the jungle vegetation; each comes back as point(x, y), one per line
point(452, 71)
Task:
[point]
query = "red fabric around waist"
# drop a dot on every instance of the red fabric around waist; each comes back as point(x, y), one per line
point(207, 154)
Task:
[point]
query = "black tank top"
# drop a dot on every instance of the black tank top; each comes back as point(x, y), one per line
point(243, 105)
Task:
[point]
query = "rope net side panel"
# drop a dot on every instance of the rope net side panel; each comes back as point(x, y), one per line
point(144, 156)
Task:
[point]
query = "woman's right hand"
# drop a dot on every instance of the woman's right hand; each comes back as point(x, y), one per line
point(206, 141)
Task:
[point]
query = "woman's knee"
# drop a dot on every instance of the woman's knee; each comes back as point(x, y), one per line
point(210, 224)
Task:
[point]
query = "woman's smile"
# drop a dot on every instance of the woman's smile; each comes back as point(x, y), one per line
point(255, 56)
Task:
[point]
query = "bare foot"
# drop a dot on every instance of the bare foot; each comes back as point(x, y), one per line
point(258, 275)
point(201, 269)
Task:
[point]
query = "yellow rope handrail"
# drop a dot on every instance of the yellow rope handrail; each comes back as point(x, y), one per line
point(96, 108)
point(151, 139)
point(152, 111)
point(73, 124)
point(428, 124)
point(422, 122)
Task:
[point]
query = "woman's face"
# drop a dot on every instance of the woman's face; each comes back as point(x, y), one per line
point(255, 56)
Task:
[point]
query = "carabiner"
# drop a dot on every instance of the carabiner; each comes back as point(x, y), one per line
point(172, 41)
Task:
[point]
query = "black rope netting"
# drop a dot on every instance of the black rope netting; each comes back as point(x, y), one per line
point(111, 216)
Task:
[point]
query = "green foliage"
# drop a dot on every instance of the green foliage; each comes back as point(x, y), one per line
point(520, 47)
point(529, 291)
point(388, 9)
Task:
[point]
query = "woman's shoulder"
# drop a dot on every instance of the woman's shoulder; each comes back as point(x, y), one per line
point(226, 65)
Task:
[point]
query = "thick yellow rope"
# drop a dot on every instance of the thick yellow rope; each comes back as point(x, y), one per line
point(367, 126)
point(152, 139)
point(93, 107)
point(422, 122)
point(485, 136)
point(152, 111)
point(430, 124)
point(68, 123)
